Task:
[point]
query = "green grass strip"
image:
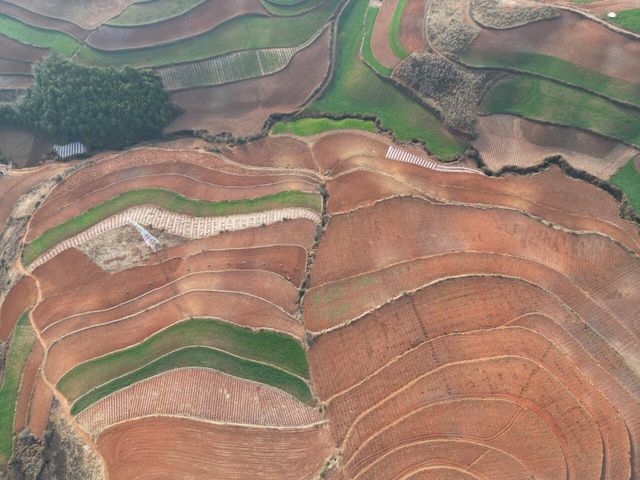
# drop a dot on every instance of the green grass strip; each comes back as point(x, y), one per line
point(312, 126)
point(628, 179)
point(550, 101)
point(20, 347)
point(557, 69)
point(169, 201)
point(144, 13)
point(60, 42)
point(355, 89)
point(395, 41)
point(264, 346)
point(292, 8)
point(239, 33)
point(207, 358)
point(367, 52)
point(628, 19)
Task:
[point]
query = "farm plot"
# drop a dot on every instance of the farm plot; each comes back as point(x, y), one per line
point(233, 67)
point(31, 18)
point(59, 42)
point(410, 14)
point(202, 394)
point(197, 20)
point(381, 34)
point(142, 13)
point(313, 126)
point(505, 140)
point(170, 448)
point(628, 179)
point(544, 100)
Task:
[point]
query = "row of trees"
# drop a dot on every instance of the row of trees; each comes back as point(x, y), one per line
point(100, 107)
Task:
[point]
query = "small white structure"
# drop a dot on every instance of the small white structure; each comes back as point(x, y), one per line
point(70, 149)
point(152, 242)
point(612, 15)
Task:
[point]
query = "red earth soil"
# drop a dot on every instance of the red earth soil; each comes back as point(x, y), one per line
point(274, 152)
point(203, 394)
point(243, 107)
point(178, 448)
point(186, 186)
point(265, 286)
point(411, 26)
point(196, 21)
point(97, 340)
point(572, 38)
point(14, 50)
point(40, 21)
point(380, 34)
point(266, 263)
point(333, 149)
point(40, 407)
point(29, 375)
point(21, 297)
point(87, 14)
point(551, 195)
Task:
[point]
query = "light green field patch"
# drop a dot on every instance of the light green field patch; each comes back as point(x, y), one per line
point(205, 357)
point(265, 346)
point(549, 101)
point(313, 126)
point(143, 13)
point(557, 69)
point(627, 19)
point(20, 347)
point(289, 9)
point(355, 89)
point(59, 42)
point(169, 201)
point(394, 31)
point(367, 52)
point(628, 179)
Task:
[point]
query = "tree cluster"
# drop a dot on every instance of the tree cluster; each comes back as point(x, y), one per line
point(100, 107)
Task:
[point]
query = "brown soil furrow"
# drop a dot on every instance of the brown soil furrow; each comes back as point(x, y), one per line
point(21, 297)
point(380, 35)
point(203, 394)
point(39, 407)
point(29, 375)
point(40, 21)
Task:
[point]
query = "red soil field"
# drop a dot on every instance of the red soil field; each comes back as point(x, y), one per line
point(411, 26)
point(21, 297)
point(98, 340)
point(572, 38)
point(72, 265)
point(157, 280)
point(509, 140)
point(29, 375)
point(380, 35)
point(39, 407)
point(198, 20)
point(202, 394)
point(243, 107)
point(598, 6)
point(14, 50)
point(550, 195)
point(174, 448)
point(332, 149)
point(40, 21)
point(265, 286)
point(88, 14)
point(274, 152)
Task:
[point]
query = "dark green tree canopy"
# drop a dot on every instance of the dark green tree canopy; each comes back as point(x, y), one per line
point(100, 107)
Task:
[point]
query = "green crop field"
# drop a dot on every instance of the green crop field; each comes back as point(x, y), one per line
point(312, 126)
point(292, 8)
point(628, 179)
point(367, 53)
point(205, 357)
point(355, 89)
point(19, 349)
point(629, 19)
point(264, 346)
point(169, 201)
point(549, 101)
point(239, 33)
point(143, 13)
point(557, 69)
point(394, 31)
point(59, 42)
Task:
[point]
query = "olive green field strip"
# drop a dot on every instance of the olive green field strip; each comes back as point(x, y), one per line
point(205, 357)
point(59, 42)
point(20, 347)
point(546, 100)
point(559, 70)
point(154, 11)
point(229, 68)
point(174, 213)
point(265, 346)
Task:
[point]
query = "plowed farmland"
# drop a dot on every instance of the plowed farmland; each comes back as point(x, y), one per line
point(433, 322)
